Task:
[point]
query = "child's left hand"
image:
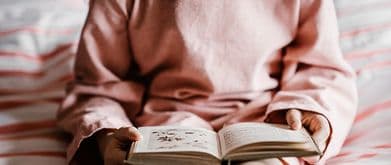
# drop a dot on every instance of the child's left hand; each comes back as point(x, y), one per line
point(316, 124)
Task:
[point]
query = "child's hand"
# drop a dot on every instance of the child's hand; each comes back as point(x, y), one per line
point(114, 144)
point(316, 124)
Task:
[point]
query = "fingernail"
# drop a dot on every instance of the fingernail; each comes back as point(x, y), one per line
point(312, 159)
point(294, 125)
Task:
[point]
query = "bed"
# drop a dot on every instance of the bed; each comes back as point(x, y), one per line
point(37, 46)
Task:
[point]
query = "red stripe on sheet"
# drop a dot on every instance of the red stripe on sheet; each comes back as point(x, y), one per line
point(22, 73)
point(4, 106)
point(38, 153)
point(40, 58)
point(26, 126)
point(12, 104)
point(383, 146)
point(367, 29)
point(38, 30)
point(369, 111)
point(61, 82)
point(342, 154)
point(32, 137)
point(52, 135)
point(367, 155)
point(375, 65)
point(36, 74)
point(56, 100)
point(365, 54)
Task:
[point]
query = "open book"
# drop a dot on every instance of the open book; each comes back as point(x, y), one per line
point(237, 142)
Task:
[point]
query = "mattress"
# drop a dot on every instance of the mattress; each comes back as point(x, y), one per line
point(37, 47)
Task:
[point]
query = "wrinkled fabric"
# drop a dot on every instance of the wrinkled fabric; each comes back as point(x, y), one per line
point(207, 64)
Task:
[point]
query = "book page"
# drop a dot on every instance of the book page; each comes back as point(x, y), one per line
point(177, 139)
point(240, 134)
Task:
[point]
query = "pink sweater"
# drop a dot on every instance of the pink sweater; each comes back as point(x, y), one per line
point(206, 64)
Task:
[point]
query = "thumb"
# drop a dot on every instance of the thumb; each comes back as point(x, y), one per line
point(128, 133)
point(293, 118)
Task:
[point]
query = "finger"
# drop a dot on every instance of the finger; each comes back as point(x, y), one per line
point(321, 135)
point(116, 157)
point(293, 118)
point(127, 133)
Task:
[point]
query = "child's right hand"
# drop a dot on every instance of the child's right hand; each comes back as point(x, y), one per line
point(114, 144)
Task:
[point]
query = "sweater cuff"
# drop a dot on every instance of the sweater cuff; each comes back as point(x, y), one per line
point(90, 130)
point(304, 105)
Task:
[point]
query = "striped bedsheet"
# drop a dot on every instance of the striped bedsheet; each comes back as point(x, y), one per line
point(365, 39)
point(37, 46)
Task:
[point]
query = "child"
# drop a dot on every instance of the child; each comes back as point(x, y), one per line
point(207, 64)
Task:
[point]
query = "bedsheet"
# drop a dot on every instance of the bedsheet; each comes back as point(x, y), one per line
point(37, 46)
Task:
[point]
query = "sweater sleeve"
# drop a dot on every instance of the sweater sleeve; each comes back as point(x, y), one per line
point(315, 76)
point(103, 94)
